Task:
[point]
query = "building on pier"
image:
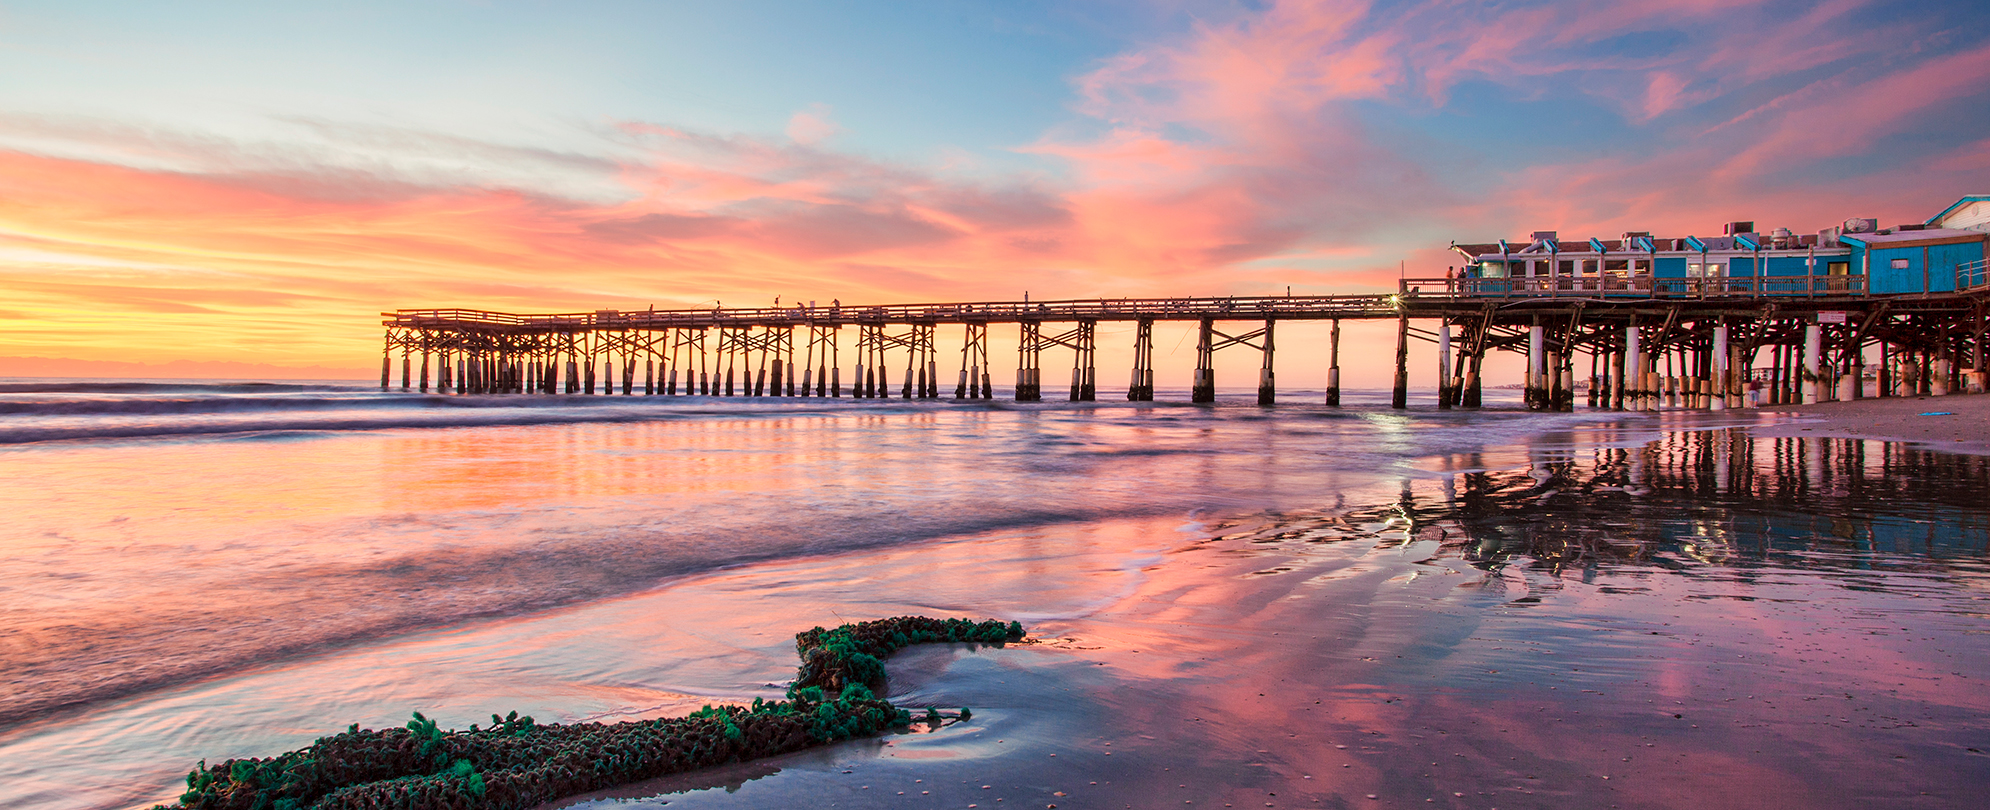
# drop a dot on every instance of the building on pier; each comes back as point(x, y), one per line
point(1943, 254)
point(1744, 318)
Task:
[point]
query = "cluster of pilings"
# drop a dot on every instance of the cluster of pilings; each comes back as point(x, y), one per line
point(1639, 355)
point(1645, 357)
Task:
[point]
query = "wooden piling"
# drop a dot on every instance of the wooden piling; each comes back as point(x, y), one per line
point(1481, 331)
point(1267, 387)
point(1444, 390)
point(1333, 365)
point(1595, 378)
point(1203, 387)
point(1029, 358)
point(1141, 387)
point(1813, 367)
point(1399, 398)
point(1534, 392)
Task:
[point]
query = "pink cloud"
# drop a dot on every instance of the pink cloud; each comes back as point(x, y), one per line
point(1288, 146)
point(1284, 93)
point(812, 126)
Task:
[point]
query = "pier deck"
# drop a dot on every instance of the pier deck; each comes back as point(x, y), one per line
point(1650, 343)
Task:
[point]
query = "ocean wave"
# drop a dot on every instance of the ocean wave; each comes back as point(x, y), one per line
point(67, 386)
point(129, 411)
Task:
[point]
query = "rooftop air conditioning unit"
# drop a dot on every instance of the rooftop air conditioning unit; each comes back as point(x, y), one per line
point(1739, 226)
point(1542, 235)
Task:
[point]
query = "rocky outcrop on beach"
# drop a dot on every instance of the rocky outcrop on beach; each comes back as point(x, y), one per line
point(516, 763)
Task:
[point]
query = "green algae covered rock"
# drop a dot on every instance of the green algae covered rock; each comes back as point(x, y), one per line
point(516, 763)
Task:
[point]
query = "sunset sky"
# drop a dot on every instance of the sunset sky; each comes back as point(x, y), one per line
point(255, 182)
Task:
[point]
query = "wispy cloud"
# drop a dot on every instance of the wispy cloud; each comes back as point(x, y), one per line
point(1315, 144)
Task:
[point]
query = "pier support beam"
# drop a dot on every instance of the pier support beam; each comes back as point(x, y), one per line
point(1979, 373)
point(1333, 366)
point(1029, 371)
point(1813, 369)
point(882, 388)
point(1634, 369)
point(1267, 385)
point(1595, 378)
point(974, 371)
point(1720, 355)
point(1399, 398)
point(1471, 397)
point(1535, 393)
point(1203, 387)
point(1084, 371)
point(1885, 376)
point(820, 357)
point(1141, 389)
point(1444, 389)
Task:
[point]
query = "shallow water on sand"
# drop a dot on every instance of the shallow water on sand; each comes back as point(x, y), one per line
point(1290, 607)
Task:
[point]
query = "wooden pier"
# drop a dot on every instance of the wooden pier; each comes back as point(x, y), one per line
point(1665, 343)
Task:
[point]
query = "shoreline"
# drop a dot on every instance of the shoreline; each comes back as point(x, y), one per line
point(1518, 608)
point(1965, 428)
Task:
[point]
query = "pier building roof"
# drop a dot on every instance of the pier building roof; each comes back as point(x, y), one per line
point(1642, 244)
point(1923, 237)
point(1972, 212)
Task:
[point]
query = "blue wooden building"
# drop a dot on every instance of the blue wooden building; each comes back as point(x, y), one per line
point(1942, 255)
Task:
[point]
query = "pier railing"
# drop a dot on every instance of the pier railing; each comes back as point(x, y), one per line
point(1973, 276)
point(1637, 287)
point(1102, 309)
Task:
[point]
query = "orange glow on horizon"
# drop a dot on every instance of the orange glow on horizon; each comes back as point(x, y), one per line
point(1290, 147)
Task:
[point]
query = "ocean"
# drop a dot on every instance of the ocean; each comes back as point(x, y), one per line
point(1286, 606)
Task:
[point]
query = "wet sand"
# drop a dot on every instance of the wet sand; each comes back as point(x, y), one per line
point(1715, 619)
point(1966, 428)
point(1557, 634)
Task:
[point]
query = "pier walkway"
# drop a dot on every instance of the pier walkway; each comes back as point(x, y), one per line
point(1649, 343)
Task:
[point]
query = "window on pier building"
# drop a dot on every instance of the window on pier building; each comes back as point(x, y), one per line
point(1708, 270)
point(1900, 264)
point(1838, 268)
point(1492, 270)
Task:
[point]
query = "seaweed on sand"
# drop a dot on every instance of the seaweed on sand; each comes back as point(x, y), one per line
point(517, 763)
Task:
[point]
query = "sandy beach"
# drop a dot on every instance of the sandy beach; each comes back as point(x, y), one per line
point(1228, 607)
point(1957, 423)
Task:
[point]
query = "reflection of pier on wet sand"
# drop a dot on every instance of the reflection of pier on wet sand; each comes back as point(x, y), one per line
point(1678, 495)
point(1956, 424)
